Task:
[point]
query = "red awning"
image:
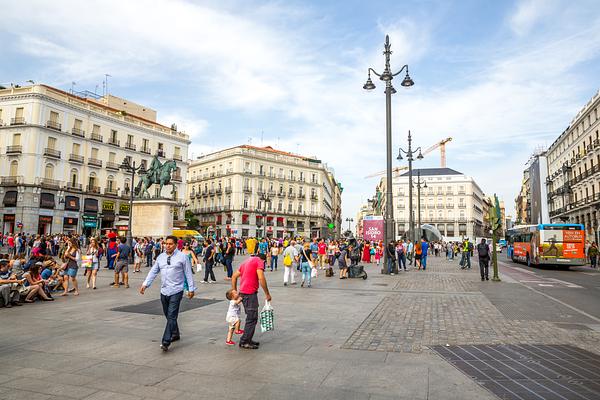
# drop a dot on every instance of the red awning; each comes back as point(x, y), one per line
point(279, 218)
point(269, 218)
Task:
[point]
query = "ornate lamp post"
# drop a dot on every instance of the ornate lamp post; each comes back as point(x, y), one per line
point(387, 76)
point(265, 198)
point(410, 156)
point(418, 184)
point(127, 167)
point(349, 221)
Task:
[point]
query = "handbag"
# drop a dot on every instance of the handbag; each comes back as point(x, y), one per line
point(313, 273)
point(266, 317)
point(287, 260)
point(198, 267)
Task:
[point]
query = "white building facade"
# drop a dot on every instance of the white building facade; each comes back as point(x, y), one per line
point(61, 153)
point(574, 170)
point(452, 202)
point(249, 191)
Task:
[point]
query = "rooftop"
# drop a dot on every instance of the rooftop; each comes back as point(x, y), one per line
point(433, 171)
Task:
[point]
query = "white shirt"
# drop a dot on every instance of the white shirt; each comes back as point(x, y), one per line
point(234, 311)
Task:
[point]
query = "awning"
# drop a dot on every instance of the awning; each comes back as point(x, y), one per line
point(47, 200)
point(90, 205)
point(10, 198)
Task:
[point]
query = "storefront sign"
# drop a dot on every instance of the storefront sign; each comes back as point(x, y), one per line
point(70, 221)
point(47, 200)
point(9, 218)
point(71, 214)
point(108, 207)
point(90, 205)
point(72, 203)
point(124, 209)
point(373, 229)
point(46, 212)
point(44, 219)
point(90, 224)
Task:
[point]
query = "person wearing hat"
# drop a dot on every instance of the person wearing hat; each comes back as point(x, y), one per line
point(9, 294)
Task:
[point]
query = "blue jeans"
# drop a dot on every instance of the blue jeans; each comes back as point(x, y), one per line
point(170, 305)
point(401, 261)
point(273, 262)
point(305, 268)
point(424, 261)
point(229, 265)
point(390, 265)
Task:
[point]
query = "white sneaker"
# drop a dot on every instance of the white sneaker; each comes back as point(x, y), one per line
point(391, 273)
point(203, 282)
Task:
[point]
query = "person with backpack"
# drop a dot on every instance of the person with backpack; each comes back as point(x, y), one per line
point(483, 252)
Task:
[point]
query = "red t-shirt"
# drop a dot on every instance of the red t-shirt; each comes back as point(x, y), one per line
point(11, 241)
point(249, 276)
point(322, 248)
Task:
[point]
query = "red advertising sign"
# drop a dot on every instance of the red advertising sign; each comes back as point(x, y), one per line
point(373, 230)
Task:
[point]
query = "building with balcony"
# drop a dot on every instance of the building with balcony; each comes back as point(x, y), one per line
point(452, 202)
point(573, 170)
point(260, 191)
point(61, 152)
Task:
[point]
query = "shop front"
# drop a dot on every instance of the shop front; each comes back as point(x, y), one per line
point(70, 225)
point(108, 215)
point(90, 217)
point(8, 219)
point(47, 205)
point(8, 223)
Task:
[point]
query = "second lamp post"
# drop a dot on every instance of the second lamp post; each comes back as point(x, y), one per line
point(386, 76)
point(410, 156)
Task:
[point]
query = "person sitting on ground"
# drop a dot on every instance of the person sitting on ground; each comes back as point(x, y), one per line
point(9, 292)
point(36, 284)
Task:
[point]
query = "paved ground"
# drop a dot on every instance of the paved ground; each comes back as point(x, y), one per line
point(340, 339)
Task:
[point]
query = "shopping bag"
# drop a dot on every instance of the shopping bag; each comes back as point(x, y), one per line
point(266, 317)
point(198, 267)
point(313, 273)
point(86, 261)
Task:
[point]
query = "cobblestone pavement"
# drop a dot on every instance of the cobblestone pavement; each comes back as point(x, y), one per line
point(446, 305)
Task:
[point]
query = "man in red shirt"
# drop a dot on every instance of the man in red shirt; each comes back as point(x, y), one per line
point(322, 253)
point(251, 274)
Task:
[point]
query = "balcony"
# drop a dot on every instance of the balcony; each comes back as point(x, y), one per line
point(462, 192)
point(219, 190)
point(130, 146)
point(73, 186)
point(49, 183)
point(302, 196)
point(94, 162)
point(114, 142)
point(76, 158)
point(280, 194)
point(126, 194)
point(146, 150)
point(292, 195)
point(211, 192)
point(247, 172)
point(15, 149)
point(111, 191)
point(48, 152)
point(17, 121)
point(205, 193)
point(449, 205)
point(228, 189)
point(462, 206)
point(271, 193)
point(93, 189)
point(247, 190)
point(176, 178)
point(96, 137)
point(11, 180)
point(112, 165)
point(53, 125)
point(78, 132)
point(440, 206)
point(314, 197)
point(177, 157)
point(160, 153)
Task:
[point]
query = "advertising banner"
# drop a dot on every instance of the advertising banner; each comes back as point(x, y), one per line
point(373, 229)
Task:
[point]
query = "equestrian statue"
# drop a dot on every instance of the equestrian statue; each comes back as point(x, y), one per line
point(159, 174)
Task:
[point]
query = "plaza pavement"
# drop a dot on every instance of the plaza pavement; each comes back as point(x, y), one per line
point(350, 339)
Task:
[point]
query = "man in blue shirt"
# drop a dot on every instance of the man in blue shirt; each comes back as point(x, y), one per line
point(425, 250)
point(175, 268)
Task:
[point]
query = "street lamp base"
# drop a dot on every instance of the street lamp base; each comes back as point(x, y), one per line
point(496, 279)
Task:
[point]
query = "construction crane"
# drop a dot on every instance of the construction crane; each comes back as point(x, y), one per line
point(396, 171)
point(442, 145)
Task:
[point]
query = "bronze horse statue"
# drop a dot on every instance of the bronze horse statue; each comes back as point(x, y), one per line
point(160, 176)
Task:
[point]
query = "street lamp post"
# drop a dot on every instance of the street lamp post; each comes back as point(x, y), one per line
point(410, 156)
point(387, 76)
point(127, 167)
point(349, 220)
point(265, 198)
point(418, 185)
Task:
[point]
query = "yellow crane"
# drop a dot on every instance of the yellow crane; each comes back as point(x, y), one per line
point(395, 171)
point(442, 145)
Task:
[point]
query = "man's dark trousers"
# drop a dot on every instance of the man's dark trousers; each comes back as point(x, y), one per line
point(170, 305)
point(484, 267)
point(250, 302)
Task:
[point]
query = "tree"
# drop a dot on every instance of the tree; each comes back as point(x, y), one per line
point(192, 221)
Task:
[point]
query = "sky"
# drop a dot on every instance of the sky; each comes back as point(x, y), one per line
point(502, 78)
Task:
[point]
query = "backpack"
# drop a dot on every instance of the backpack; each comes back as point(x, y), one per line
point(483, 251)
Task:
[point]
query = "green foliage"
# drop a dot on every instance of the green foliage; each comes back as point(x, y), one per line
point(192, 221)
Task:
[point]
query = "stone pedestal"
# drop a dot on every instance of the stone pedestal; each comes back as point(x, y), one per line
point(152, 218)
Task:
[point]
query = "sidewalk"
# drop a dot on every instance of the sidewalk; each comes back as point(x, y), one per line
point(349, 339)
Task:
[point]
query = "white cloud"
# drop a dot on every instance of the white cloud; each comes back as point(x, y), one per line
point(266, 61)
point(529, 13)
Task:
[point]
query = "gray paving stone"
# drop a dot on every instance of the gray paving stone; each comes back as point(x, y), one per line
point(7, 393)
point(56, 388)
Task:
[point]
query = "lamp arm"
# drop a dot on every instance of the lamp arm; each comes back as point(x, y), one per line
point(373, 71)
point(402, 69)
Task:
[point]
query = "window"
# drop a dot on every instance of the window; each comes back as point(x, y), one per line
point(92, 180)
point(76, 148)
point(130, 139)
point(177, 152)
point(95, 129)
point(14, 168)
point(74, 177)
point(112, 156)
point(161, 150)
point(77, 124)
point(94, 153)
point(52, 143)
point(19, 112)
point(16, 139)
point(49, 171)
point(53, 116)
point(113, 135)
point(144, 144)
point(110, 183)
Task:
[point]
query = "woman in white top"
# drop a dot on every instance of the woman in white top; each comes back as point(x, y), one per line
point(92, 251)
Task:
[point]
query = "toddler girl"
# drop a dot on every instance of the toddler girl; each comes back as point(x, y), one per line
point(233, 315)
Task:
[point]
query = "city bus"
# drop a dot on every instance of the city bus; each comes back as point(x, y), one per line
point(548, 244)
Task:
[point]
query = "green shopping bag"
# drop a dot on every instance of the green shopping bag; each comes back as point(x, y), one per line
point(266, 317)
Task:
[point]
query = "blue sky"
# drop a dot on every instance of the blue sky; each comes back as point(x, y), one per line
point(500, 77)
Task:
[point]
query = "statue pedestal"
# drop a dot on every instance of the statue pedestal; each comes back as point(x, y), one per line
point(152, 218)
